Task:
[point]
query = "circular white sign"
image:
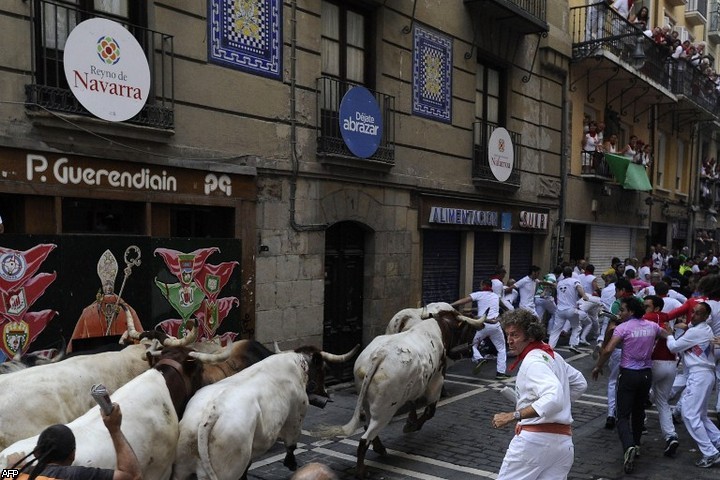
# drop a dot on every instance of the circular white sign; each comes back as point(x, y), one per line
point(501, 154)
point(106, 69)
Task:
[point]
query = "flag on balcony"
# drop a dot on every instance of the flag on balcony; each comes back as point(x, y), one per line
point(628, 174)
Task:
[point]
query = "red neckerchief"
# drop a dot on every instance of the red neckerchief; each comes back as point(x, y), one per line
point(532, 346)
point(486, 289)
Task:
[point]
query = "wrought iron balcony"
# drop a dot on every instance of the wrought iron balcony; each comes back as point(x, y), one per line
point(594, 166)
point(53, 21)
point(481, 172)
point(597, 28)
point(525, 16)
point(330, 144)
point(695, 85)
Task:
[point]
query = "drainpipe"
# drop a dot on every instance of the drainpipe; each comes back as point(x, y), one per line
point(564, 162)
point(293, 127)
point(694, 186)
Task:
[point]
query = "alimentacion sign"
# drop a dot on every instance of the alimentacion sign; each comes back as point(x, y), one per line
point(361, 122)
point(106, 69)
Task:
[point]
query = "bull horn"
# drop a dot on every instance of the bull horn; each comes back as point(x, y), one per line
point(132, 333)
point(218, 357)
point(476, 323)
point(277, 347)
point(332, 358)
point(181, 342)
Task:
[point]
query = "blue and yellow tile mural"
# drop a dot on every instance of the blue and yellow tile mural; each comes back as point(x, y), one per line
point(432, 74)
point(246, 35)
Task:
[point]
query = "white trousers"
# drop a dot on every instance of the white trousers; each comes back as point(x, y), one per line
point(700, 383)
point(538, 456)
point(494, 332)
point(663, 376)
point(613, 372)
point(561, 316)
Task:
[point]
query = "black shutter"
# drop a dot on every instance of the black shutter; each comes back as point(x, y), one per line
point(487, 251)
point(521, 253)
point(441, 266)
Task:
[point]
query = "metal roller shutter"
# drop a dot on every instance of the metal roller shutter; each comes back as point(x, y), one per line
point(487, 251)
point(521, 254)
point(441, 266)
point(608, 242)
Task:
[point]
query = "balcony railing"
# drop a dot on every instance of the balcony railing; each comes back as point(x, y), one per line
point(595, 166)
point(53, 22)
point(481, 172)
point(695, 85)
point(330, 143)
point(528, 16)
point(597, 28)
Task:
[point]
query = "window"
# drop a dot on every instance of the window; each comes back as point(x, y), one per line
point(490, 95)
point(344, 42)
point(84, 215)
point(55, 19)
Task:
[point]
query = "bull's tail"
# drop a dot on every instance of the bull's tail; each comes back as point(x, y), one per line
point(207, 423)
point(347, 429)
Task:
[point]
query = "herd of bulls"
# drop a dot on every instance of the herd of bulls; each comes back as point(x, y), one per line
point(206, 415)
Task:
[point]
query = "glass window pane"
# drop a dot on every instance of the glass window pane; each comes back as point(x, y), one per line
point(114, 7)
point(355, 65)
point(493, 83)
point(493, 113)
point(330, 56)
point(480, 78)
point(479, 111)
point(355, 29)
point(58, 22)
point(330, 21)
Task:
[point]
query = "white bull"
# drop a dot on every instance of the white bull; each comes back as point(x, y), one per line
point(34, 398)
point(408, 317)
point(400, 368)
point(150, 425)
point(229, 423)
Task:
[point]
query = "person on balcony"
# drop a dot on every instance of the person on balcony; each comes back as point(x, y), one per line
point(630, 149)
point(592, 146)
point(622, 7)
point(641, 19)
point(611, 146)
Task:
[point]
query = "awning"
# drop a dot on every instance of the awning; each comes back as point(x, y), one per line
point(628, 174)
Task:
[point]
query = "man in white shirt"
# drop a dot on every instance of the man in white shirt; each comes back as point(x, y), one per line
point(545, 387)
point(696, 348)
point(569, 291)
point(488, 304)
point(498, 281)
point(2, 226)
point(526, 288)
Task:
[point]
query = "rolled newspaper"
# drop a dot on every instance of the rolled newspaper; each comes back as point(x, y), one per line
point(509, 394)
point(101, 395)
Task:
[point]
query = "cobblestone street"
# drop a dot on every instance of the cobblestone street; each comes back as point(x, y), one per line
point(460, 444)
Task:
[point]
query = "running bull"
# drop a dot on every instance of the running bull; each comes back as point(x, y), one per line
point(235, 420)
point(157, 400)
point(402, 368)
point(34, 398)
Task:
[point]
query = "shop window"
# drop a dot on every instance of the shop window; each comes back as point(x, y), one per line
point(85, 215)
point(193, 221)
